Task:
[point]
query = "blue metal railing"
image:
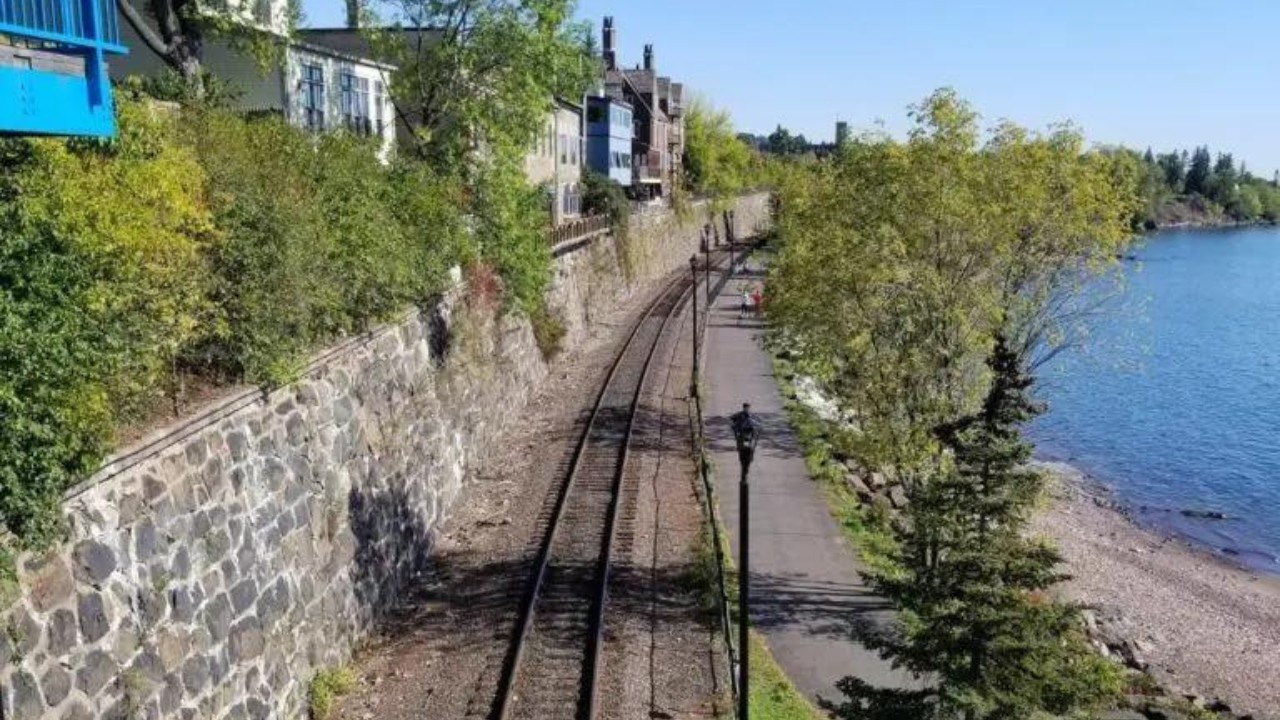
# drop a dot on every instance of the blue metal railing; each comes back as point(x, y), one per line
point(41, 96)
point(63, 22)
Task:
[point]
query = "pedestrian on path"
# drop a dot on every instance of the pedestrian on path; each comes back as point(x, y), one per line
point(745, 303)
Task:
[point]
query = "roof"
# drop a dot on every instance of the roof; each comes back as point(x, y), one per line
point(332, 52)
point(568, 105)
point(354, 42)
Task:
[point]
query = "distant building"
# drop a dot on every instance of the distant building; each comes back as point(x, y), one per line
point(657, 147)
point(320, 86)
point(556, 161)
point(609, 134)
point(842, 133)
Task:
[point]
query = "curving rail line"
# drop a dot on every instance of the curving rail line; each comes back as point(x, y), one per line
point(552, 669)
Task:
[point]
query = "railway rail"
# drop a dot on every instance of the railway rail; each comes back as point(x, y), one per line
point(556, 655)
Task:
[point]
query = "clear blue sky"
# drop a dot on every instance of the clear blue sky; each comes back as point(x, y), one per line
point(1164, 73)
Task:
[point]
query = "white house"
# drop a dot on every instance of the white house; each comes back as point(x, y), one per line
point(317, 87)
point(557, 158)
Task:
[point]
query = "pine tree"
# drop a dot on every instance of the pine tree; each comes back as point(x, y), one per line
point(970, 588)
point(1198, 171)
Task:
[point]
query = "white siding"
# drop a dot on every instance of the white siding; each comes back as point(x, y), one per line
point(333, 68)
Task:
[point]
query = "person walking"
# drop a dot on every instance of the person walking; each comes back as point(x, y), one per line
point(745, 304)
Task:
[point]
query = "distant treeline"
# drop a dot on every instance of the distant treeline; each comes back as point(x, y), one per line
point(1199, 188)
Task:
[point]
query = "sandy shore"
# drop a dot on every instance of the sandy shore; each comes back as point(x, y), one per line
point(1205, 626)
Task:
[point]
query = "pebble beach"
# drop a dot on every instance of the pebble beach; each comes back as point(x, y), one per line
point(1201, 624)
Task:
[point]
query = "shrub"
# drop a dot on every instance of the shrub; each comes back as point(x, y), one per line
point(548, 331)
point(318, 240)
point(326, 685)
point(101, 283)
point(196, 239)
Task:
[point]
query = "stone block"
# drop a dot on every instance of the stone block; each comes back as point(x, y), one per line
point(24, 696)
point(238, 444)
point(171, 695)
point(95, 672)
point(94, 562)
point(50, 583)
point(21, 635)
point(217, 617)
point(56, 684)
point(195, 674)
point(62, 633)
point(145, 540)
point(246, 640)
point(94, 621)
point(243, 595)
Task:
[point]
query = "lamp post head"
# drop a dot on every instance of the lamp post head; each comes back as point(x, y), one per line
point(745, 434)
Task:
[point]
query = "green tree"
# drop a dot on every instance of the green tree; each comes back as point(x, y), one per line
point(971, 587)
point(480, 73)
point(176, 31)
point(909, 273)
point(1247, 204)
point(1174, 167)
point(1222, 183)
point(1198, 171)
point(716, 161)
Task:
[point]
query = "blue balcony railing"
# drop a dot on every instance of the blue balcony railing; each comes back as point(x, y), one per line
point(63, 22)
point(53, 65)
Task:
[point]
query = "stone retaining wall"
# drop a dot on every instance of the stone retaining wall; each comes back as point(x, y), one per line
point(214, 567)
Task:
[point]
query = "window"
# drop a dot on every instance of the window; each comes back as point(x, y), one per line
point(595, 113)
point(313, 97)
point(355, 103)
point(564, 150)
point(380, 103)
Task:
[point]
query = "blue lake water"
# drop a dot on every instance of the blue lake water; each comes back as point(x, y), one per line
point(1175, 401)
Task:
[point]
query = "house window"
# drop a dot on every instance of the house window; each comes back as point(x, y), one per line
point(313, 97)
point(379, 107)
point(355, 103)
point(564, 150)
point(595, 114)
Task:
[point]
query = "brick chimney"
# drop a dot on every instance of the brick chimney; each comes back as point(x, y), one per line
point(353, 13)
point(648, 57)
point(610, 44)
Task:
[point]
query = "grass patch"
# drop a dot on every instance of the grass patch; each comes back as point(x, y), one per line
point(773, 697)
point(866, 526)
point(548, 332)
point(326, 686)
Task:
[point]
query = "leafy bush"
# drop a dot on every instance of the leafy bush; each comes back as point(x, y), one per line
point(101, 283)
point(318, 240)
point(197, 240)
point(326, 685)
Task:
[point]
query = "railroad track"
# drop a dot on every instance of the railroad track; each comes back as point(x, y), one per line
point(552, 668)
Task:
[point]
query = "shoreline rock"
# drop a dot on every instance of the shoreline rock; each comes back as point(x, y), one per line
point(1206, 630)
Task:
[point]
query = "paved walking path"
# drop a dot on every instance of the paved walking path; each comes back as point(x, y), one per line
point(807, 595)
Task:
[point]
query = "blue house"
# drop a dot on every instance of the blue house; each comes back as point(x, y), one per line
point(609, 133)
point(53, 68)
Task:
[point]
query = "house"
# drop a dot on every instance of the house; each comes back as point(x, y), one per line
point(317, 87)
point(53, 67)
point(657, 147)
point(609, 135)
point(556, 160)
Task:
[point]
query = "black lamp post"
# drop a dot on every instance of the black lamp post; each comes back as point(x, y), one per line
point(745, 435)
point(693, 381)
